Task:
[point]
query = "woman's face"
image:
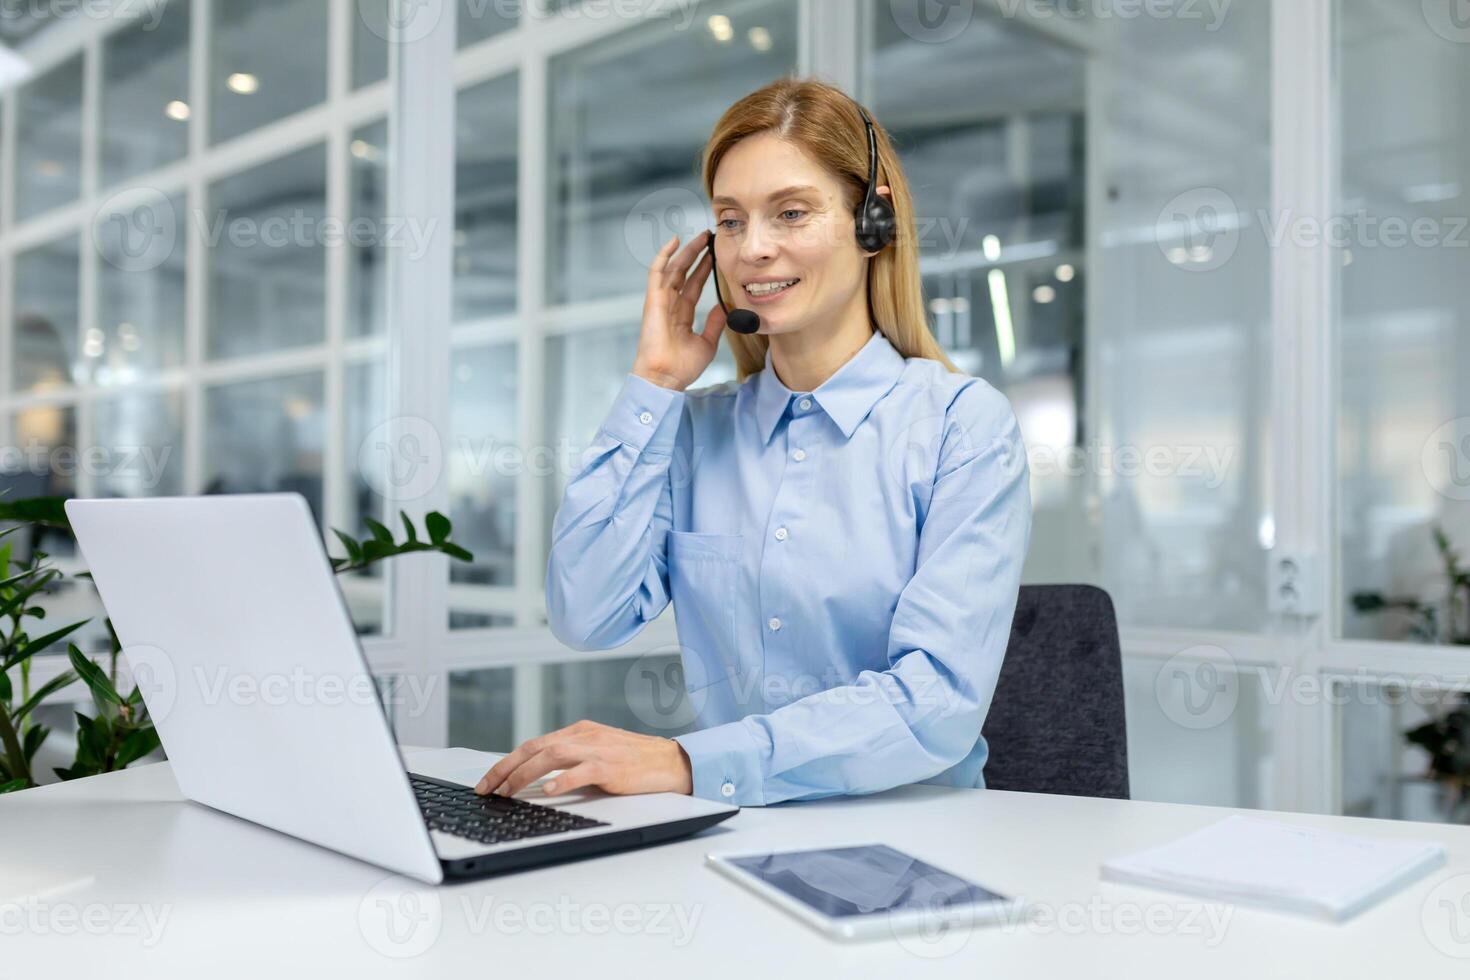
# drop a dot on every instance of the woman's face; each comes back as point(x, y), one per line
point(780, 216)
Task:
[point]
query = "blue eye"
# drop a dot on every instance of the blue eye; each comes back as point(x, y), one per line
point(725, 223)
point(792, 211)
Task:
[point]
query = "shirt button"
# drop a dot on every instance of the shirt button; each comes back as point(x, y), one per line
point(780, 534)
point(804, 404)
point(774, 624)
point(646, 418)
point(727, 790)
point(799, 455)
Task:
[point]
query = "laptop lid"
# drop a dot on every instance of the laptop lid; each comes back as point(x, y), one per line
point(232, 622)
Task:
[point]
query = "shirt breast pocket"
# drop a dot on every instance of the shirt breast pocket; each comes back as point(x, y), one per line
point(704, 584)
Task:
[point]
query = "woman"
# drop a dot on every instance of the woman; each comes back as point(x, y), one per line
point(841, 531)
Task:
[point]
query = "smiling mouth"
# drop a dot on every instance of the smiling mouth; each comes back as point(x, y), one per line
point(764, 290)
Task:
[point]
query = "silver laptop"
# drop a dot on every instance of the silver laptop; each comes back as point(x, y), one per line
point(231, 620)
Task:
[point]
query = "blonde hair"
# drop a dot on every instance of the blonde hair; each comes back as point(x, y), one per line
point(826, 123)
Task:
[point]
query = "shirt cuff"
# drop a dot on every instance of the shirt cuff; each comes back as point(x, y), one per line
point(645, 416)
point(725, 763)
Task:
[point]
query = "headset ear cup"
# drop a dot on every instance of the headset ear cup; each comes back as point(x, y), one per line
point(875, 223)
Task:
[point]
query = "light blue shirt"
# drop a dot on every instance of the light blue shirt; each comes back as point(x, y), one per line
point(843, 563)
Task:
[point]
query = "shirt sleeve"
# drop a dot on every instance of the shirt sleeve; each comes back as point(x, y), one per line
point(607, 572)
point(923, 714)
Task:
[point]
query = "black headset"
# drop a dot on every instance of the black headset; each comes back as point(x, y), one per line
point(874, 225)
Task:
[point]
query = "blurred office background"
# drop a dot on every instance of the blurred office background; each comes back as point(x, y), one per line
point(1108, 196)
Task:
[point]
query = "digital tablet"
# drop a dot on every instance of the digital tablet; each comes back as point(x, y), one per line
point(867, 891)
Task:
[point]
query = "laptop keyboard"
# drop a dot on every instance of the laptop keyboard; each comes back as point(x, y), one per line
point(490, 819)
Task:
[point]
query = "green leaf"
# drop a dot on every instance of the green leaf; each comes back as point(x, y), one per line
point(6, 693)
point(375, 550)
point(41, 693)
point(354, 550)
point(91, 740)
point(408, 526)
point(37, 645)
point(136, 745)
point(12, 786)
point(455, 551)
point(50, 511)
point(380, 533)
point(95, 679)
point(9, 606)
point(438, 526)
point(35, 570)
point(34, 737)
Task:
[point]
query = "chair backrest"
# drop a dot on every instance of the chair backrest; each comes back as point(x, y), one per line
point(1056, 722)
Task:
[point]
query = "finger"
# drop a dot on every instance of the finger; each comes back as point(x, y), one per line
point(678, 266)
point(558, 757)
point(689, 295)
point(695, 284)
point(497, 773)
point(588, 773)
point(714, 325)
point(660, 260)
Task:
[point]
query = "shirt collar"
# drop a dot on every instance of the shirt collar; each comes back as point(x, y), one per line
point(847, 396)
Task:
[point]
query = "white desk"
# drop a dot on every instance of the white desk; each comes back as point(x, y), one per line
point(238, 900)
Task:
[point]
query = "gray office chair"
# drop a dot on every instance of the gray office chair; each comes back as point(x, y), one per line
point(1056, 723)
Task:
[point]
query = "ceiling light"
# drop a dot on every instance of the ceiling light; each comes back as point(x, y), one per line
point(719, 27)
point(1043, 294)
point(1065, 273)
point(760, 38)
point(243, 83)
point(177, 110)
point(1005, 328)
point(991, 244)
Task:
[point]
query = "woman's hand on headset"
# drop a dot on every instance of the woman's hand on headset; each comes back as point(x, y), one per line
point(670, 353)
point(591, 754)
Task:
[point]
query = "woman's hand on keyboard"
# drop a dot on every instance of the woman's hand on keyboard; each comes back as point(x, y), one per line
point(590, 754)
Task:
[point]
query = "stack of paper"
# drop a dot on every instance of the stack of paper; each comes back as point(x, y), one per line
point(1280, 866)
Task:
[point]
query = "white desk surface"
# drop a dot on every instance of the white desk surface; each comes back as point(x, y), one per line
point(164, 887)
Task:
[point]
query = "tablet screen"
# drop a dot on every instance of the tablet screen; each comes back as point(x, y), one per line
point(848, 881)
